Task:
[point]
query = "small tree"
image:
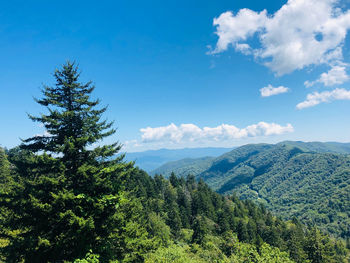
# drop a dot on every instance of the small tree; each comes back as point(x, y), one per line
point(66, 199)
point(200, 229)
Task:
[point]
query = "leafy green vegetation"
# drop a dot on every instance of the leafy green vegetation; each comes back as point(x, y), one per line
point(64, 199)
point(320, 147)
point(313, 187)
point(205, 226)
point(196, 166)
point(289, 180)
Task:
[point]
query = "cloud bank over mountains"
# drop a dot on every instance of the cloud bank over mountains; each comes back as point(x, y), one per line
point(191, 132)
point(187, 135)
point(301, 34)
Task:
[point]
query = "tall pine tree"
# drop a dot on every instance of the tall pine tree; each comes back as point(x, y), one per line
point(73, 122)
point(66, 200)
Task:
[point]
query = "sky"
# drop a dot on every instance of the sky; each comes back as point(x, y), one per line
point(179, 74)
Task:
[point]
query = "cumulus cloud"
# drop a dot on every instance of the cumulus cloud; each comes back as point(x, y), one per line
point(224, 132)
point(232, 29)
point(335, 76)
point(301, 33)
point(316, 98)
point(270, 90)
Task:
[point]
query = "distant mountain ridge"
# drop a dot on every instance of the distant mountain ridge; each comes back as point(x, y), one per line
point(308, 180)
point(321, 147)
point(152, 159)
point(184, 167)
point(195, 166)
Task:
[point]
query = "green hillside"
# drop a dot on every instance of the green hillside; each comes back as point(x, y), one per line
point(306, 180)
point(195, 166)
point(184, 167)
point(314, 187)
point(321, 147)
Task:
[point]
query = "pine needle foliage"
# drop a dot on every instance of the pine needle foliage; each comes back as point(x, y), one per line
point(67, 192)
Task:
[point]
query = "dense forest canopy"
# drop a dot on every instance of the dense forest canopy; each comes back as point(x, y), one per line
point(310, 181)
point(195, 166)
point(64, 199)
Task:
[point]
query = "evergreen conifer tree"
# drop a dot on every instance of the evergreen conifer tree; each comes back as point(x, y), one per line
point(66, 200)
point(73, 123)
point(199, 230)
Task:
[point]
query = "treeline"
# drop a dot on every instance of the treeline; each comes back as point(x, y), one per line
point(187, 205)
point(62, 199)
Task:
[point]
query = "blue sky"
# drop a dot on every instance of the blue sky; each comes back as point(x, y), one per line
point(173, 79)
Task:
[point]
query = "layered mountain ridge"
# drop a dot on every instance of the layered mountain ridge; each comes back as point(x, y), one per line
point(308, 180)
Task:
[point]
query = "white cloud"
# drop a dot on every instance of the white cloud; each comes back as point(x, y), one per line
point(316, 98)
point(232, 29)
point(270, 90)
point(244, 48)
point(191, 133)
point(301, 33)
point(335, 76)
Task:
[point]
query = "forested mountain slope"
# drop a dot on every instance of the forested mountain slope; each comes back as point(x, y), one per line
point(209, 219)
point(196, 166)
point(289, 180)
point(184, 167)
point(321, 147)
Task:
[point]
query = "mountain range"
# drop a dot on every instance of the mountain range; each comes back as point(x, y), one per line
point(310, 181)
point(152, 159)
